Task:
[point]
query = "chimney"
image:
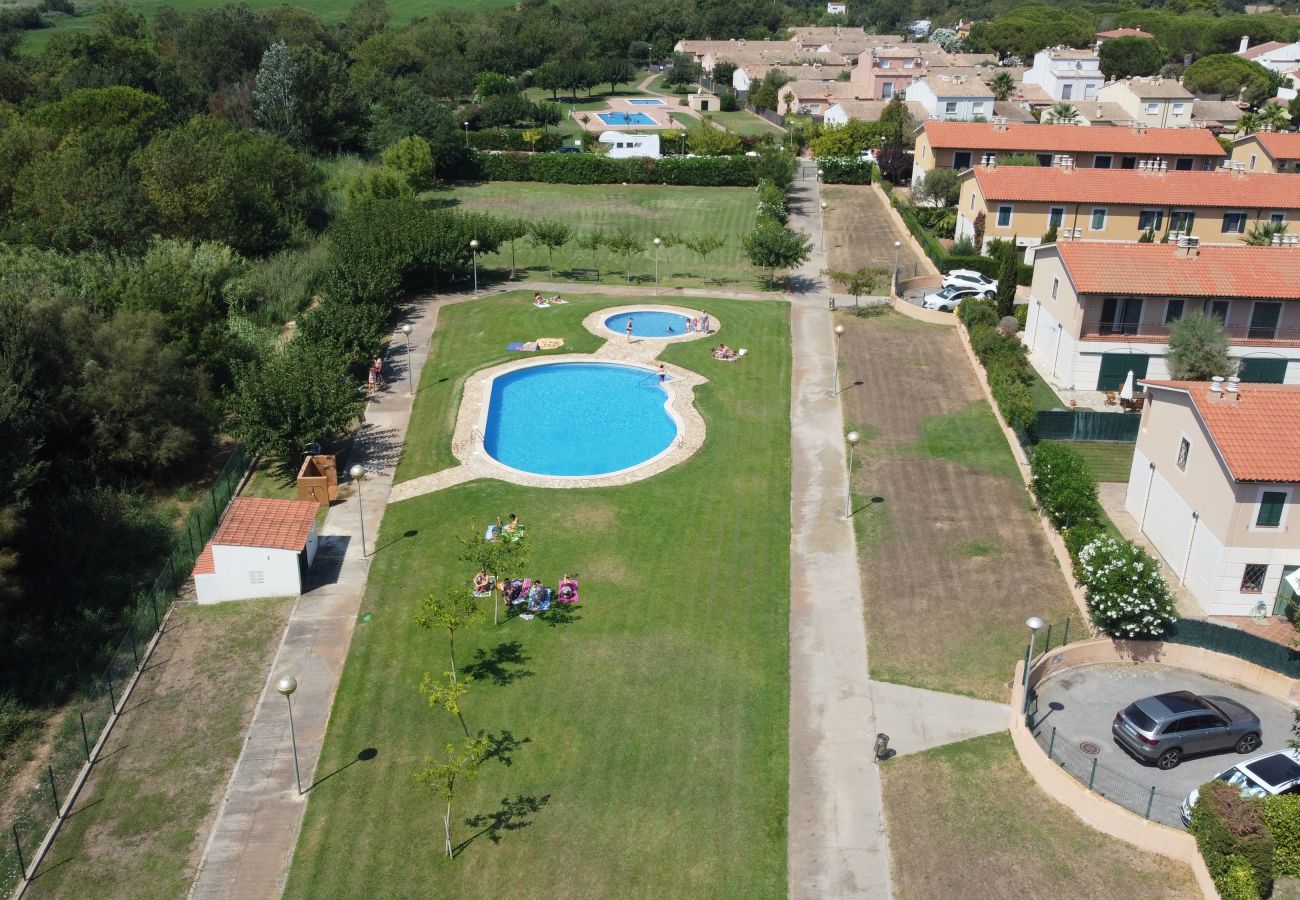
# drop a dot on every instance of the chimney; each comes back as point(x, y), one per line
point(1188, 247)
point(1245, 42)
point(1234, 387)
point(1216, 387)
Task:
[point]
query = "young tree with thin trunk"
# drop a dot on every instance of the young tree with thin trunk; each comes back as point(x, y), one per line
point(500, 559)
point(446, 694)
point(772, 246)
point(704, 245)
point(858, 282)
point(592, 240)
point(552, 235)
point(509, 231)
point(453, 610)
point(460, 763)
point(623, 243)
point(1198, 348)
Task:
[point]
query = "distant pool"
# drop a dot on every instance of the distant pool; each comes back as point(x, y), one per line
point(622, 118)
point(648, 323)
point(646, 102)
point(577, 418)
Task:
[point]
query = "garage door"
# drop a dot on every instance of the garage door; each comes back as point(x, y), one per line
point(1262, 370)
point(1116, 366)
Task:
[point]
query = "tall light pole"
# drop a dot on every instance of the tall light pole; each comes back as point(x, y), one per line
point(823, 226)
point(657, 243)
point(358, 474)
point(286, 686)
point(852, 437)
point(820, 173)
point(839, 333)
point(473, 252)
point(897, 244)
point(406, 341)
point(466, 124)
point(1033, 623)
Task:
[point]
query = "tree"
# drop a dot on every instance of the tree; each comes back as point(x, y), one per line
point(722, 73)
point(552, 235)
point(1019, 159)
point(777, 166)
point(275, 103)
point(532, 136)
point(452, 610)
point(1262, 233)
point(1271, 116)
point(1129, 56)
point(446, 693)
point(897, 125)
point(1229, 76)
point(946, 38)
point(500, 559)
point(378, 184)
point(1198, 348)
point(940, 187)
point(894, 163)
point(865, 280)
point(1293, 108)
point(1002, 85)
point(509, 231)
point(489, 84)
point(977, 238)
point(1062, 113)
point(592, 240)
point(460, 763)
point(412, 158)
point(1007, 270)
point(710, 141)
point(623, 243)
point(615, 71)
point(772, 246)
point(704, 244)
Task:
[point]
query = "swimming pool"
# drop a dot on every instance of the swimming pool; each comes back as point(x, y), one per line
point(622, 118)
point(646, 102)
point(648, 323)
point(577, 418)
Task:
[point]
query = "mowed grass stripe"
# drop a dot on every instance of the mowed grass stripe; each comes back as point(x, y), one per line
point(656, 722)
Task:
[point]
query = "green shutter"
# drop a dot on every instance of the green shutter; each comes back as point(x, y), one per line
point(1262, 370)
point(1270, 509)
point(1115, 368)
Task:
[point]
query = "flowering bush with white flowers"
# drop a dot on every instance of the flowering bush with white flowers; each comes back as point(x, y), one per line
point(1127, 596)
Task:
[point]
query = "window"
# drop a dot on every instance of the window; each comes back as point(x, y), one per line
point(1044, 159)
point(1184, 164)
point(1067, 92)
point(1089, 92)
point(977, 108)
point(1264, 319)
point(909, 64)
point(1004, 216)
point(1121, 315)
point(1184, 448)
point(1153, 108)
point(1182, 220)
point(1102, 161)
point(1056, 283)
point(1099, 219)
point(1150, 219)
point(887, 90)
point(1234, 223)
point(1277, 218)
point(1252, 579)
point(1271, 505)
point(972, 201)
point(1173, 310)
point(1180, 108)
point(961, 159)
point(1055, 216)
point(1219, 310)
point(884, 63)
point(1128, 162)
point(950, 108)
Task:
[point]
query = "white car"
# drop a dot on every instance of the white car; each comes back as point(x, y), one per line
point(949, 298)
point(1273, 773)
point(969, 278)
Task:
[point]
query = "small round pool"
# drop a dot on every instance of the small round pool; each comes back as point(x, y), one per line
point(648, 323)
point(577, 418)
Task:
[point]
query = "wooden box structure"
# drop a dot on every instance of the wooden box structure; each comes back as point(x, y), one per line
point(318, 479)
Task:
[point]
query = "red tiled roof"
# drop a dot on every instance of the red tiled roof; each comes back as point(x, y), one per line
point(1073, 139)
point(257, 522)
point(1129, 187)
point(1261, 49)
point(204, 564)
point(1279, 144)
point(1101, 267)
point(1256, 433)
point(1124, 32)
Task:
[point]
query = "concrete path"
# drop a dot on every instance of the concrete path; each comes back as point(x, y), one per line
point(252, 840)
point(917, 719)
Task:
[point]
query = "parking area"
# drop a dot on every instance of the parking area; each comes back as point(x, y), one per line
point(1081, 704)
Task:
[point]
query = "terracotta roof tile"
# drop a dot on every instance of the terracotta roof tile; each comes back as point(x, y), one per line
point(257, 522)
point(204, 564)
point(1260, 49)
point(1256, 433)
point(1131, 187)
point(1279, 144)
point(1073, 139)
point(1101, 267)
point(1124, 32)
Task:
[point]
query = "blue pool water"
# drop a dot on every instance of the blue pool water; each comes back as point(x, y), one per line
point(622, 118)
point(648, 323)
point(577, 418)
point(646, 102)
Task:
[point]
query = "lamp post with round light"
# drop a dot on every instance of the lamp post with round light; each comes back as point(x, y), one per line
point(897, 244)
point(466, 124)
point(658, 243)
point(286, 686)
point(406, 342)
point(820, 173)
point(839, 333)
point(852, 437)
point(358, 474)
point(1033, 623)
point(823, 226)
point(473, 252)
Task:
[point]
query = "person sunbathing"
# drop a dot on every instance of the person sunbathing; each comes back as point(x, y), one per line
point(482, 583)
point(724, 352)
point(557, 299)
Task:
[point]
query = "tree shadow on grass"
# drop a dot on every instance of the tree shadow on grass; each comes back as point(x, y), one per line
point(496, 664)
point(501, 747)
point(511, 816)
point(561, 614)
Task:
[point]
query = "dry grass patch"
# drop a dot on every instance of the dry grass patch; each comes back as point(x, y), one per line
point(855, 210)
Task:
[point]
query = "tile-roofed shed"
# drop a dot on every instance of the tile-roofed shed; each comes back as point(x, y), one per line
point(259, 522)
point(1162, 270)
point(1072, 139)
point(1129, 187)
point(1255, 434)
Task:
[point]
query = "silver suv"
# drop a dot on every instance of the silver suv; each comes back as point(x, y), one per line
point(1164, 728)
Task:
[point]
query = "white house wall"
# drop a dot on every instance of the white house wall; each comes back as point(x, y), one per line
point(246, 573)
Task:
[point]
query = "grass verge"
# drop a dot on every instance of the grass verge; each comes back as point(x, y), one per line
point(1107, 460)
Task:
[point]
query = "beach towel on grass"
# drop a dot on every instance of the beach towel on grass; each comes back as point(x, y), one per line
point(550, 343)
point(524, 346)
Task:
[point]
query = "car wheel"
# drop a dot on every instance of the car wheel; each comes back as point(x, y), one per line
point(988, 295)
point(1249, 743)
point(1170, 759)
point(945, 309)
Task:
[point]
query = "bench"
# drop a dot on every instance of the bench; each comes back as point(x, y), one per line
point(584, 274)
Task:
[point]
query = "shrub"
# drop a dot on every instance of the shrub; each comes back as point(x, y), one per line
point(1238, 883)
point(1012, 398)
point(1282, 816)
point(1021, 313)
point(963, 246)
point(985, 265)
point(1231, 833)
point(771, 202)
point(276, 288)
point(727, 101)
point(844, 170)
point(15, 719)
point(1078, 536)
point(351, 331)
point(585, 168)
point(1127, 597)
point(1066, 490)
point(513, 139)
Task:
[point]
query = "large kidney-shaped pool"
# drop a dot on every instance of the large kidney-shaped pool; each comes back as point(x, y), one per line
point(577, 418)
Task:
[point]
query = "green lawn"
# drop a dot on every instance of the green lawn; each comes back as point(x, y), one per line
point(649, 731)
point(970, 436)
point(645, 210)
point(1107, 460)
point(745, 123)
point(1042, 395)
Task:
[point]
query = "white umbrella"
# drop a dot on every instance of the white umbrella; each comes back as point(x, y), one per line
point(1126, 392)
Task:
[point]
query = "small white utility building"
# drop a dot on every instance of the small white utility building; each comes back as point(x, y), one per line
point(262, 548)
point(623, 146)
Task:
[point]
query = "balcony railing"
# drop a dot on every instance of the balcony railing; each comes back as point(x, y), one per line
point(1158, 332)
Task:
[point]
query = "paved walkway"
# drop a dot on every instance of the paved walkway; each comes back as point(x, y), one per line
point(252, 840)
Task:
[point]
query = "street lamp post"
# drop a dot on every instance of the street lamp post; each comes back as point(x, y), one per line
point(466, 124)
point(897, 244)
point(839, 333)
point(473, 251)
point(406, 342)
point(658, 243)
point(286, 686)
point(852, 437)
point(820, 173)
point(1033, 623)
point(823, 226)
point(358, 474)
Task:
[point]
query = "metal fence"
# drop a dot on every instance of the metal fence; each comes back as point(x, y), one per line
point(76, 739)
point(1085, 425)
point(1238, 643)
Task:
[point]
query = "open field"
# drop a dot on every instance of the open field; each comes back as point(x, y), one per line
point(744, 122)
point(140, 825)
point(646, 211)
point(855, 210)
point(953, 560)
point(1107, 460)
point(966, 821)
point(643, 736)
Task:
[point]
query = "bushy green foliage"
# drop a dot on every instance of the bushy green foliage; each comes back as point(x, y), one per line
point(353, 332)
point(1198, 348)
point(1064, 486)
point(513, 139)
point(1227, 75)
point(585, 168)
point(1282, 815)
point(1128, 56)
point(1229, 831)
point(771, 203)
point(844, 170)
point(1238, 882)
point(273, 290)
point(772, 246)
point(412, 158)
point(1127, 596)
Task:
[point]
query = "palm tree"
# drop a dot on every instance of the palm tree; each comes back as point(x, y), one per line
point(1003, 86)
point(1261, 235)
point(1270, 116)
point(1062, 113)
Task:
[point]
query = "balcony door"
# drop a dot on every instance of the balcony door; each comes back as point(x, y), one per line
point(1120, 315)
point(1263, 321)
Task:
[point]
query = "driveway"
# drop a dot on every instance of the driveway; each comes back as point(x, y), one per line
point(1081, 704)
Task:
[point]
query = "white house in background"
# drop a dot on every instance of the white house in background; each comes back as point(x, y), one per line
point(1214, 488)
point(864, 111)
point(262, 548)
point(836, 9)
point(622, 146)
point(1273, 55)
point(1067, 74)
point(961, 98)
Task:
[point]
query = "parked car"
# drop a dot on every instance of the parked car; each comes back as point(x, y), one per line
point(1164, 728)
point(949, 298)
point(969, 278)
point(1273, 773)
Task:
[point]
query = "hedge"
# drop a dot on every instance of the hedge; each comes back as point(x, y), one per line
point(1282, 815)
point(1065, 488)
point(587, 168)
point(513, 139)
point(1230, 831)
point(844, 170)
point(1004, 359)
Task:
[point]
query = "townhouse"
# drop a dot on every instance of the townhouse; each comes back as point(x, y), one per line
point(956, 97)
point(1154, 102)
point(815, 97)
point(885, 71)
point(1268, 151)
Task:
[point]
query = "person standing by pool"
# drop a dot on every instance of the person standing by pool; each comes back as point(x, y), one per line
point(663, 374)
point(704, 323)
point(629, 329)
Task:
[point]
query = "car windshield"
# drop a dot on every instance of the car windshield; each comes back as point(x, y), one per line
point(1239, 780)
point(946, 293)
point(1141, 720)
